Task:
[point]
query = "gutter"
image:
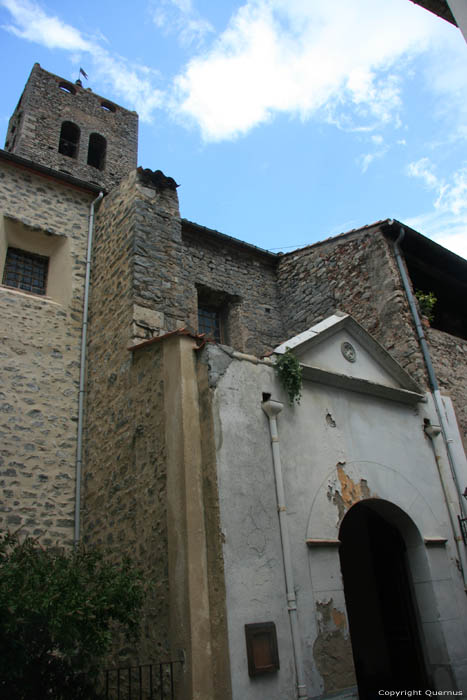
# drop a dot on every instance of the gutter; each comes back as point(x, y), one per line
point(82, 371)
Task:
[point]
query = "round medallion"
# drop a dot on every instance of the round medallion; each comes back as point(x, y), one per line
point(348, 351)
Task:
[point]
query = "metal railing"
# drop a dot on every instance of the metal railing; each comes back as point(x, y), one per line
point(155, 681)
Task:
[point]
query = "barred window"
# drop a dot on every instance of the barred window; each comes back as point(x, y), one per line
point(26, 271)
point(209, 323)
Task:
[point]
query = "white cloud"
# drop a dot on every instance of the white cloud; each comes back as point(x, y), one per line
point(451, 194)
point(180, 16)
point(32, 23)
point(130, 81)
point(365, 160)
point(423, 168)
point(344, 60)
point(447, 222)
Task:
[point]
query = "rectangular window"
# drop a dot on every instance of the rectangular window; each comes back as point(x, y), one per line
point(26, 271)
point(209, 323)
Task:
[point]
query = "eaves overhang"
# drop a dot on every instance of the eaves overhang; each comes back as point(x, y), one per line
point(223, 238)
point(414, 245)
point(438, 7)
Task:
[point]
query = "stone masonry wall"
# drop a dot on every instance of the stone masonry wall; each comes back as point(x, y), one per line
point(173, 260)
point(40, 351)
point(34, 128)
point(449, 357)
point(242, 273)
point(355, 273)
point(124, 483)
point(160, 289)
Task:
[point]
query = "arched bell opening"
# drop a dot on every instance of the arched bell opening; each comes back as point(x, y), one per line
point(69, 140)
point(97, 151)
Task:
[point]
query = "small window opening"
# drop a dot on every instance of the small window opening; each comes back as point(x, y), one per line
point(96, 151)
point(69, 140)
point(26, 271)
point(66, 87)
point(107, 107)
point(209, 323)
point(218, 314)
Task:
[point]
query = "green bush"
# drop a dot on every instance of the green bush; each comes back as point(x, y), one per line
point(56, 611)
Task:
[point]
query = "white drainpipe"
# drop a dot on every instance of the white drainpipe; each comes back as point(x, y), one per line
point(272, 409)
point(82, 371)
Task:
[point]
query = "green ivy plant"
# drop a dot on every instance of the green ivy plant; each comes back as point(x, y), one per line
point(290, 375)
point(426, 302)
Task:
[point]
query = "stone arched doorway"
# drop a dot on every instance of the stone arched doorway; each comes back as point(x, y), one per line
point(381, 604)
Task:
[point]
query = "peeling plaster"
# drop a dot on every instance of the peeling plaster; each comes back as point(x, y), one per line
point(339, 618)
point(218, 361)
point(350, 493)
point(332, 650)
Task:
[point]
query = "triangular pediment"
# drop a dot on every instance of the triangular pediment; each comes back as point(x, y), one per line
point(341, 352)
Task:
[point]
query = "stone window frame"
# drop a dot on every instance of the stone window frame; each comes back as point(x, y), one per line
point(108, 106)
point(15, 233)
point(67, 87)
point(220, 303)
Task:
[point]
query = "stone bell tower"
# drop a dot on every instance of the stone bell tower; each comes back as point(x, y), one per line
point(69, 128)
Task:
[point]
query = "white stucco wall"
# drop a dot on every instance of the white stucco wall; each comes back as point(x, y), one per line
point(337, 447)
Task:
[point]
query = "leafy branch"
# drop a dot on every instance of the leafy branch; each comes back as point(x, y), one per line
point(58, 608)
point(289, 372)
point(426, 302)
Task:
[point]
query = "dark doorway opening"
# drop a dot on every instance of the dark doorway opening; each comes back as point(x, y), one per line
point(382, 615)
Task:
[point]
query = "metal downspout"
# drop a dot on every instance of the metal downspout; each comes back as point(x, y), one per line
point(272, 409)
point(437, 401)
point(82, 371)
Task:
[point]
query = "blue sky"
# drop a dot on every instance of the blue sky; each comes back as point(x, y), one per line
point(284, 121)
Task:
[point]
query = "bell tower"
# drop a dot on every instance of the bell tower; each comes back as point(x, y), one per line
point(71, 129)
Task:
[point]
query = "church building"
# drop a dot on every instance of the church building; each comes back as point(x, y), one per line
point(297, 545)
